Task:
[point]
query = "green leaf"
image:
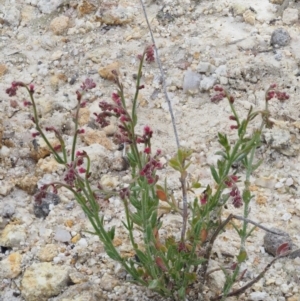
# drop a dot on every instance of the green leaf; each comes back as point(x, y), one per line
point(223, 154)
point(214, 174)
point(180, 156)
point(250, 232)
point(256, 165)
point(175, 164)
point(111, 233)
point(135, 203)
point(196, 185)
point(242, 256)
point(154, 219)
point(198, 261)
point(191, 277)
point(171, 253)
point(124, 225)
point(149, 233)
point(142, 257)
point(136, 219)
point(181, 293)
point(153, 284)
point(112, 254)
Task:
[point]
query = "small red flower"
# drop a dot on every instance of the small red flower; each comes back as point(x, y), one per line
point(31, 88)
point(27, 103)
point(35, 134)
point(147, 150)
point(81, 170)
point(149, 51)
point(80, 131)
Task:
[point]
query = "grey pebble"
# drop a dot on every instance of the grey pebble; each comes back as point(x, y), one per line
point(43, 209)
point(273, 241)
point(280, 37)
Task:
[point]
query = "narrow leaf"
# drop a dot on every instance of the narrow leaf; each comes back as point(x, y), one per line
point(214, 174)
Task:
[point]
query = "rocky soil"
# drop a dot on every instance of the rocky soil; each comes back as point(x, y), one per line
point(244, 46)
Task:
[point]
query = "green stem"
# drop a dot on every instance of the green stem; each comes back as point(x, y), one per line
point(38, 128)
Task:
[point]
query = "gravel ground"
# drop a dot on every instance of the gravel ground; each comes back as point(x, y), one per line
point(45, 252)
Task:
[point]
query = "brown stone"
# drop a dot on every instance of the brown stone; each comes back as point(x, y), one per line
point(3, 70)
point(59, 25)
point(84, 116)
point(107, 72)
point(11, 266)
point(87, 6)
point(99, 137)
point(27, 183)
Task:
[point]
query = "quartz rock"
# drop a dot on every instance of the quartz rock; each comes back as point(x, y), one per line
point(10, 267)
point(13, 236)
point(43, 280)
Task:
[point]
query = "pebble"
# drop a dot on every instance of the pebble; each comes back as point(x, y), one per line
point(290, 16)
point(13, 236)
point(280, 37)
point(59, 25)
point(62, 235)
point(47, 253)
point(48, 7)
point(43, 280)
point(11, 266)
point(191, 81)
point(258, 296)
point(207, 83)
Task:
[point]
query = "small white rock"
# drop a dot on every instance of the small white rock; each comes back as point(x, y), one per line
point(258, 296)
point(289, 182)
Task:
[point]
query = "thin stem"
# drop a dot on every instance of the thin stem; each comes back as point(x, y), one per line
point(38, 128)
point(185, 207)
point(162, 75)
point(257, 278)
point(76, 131)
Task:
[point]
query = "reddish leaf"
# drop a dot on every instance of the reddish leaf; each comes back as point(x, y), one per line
point(161, 195)
point(161, 264)
point(203, 235)
point(282, 249)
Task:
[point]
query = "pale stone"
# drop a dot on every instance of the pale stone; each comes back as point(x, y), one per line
point(77, 277)
point(59, 25)
point(108, 282)
point(290, 16)
point(110, 130)
point(43, 280)
point(48, 252)
point(13, 236)
point(191, 81)
point(249, 17)
point(10, 267)
point(289, 182)
point(258, 296)
point(109, 182)
point(47, 7)
point(62, 235)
